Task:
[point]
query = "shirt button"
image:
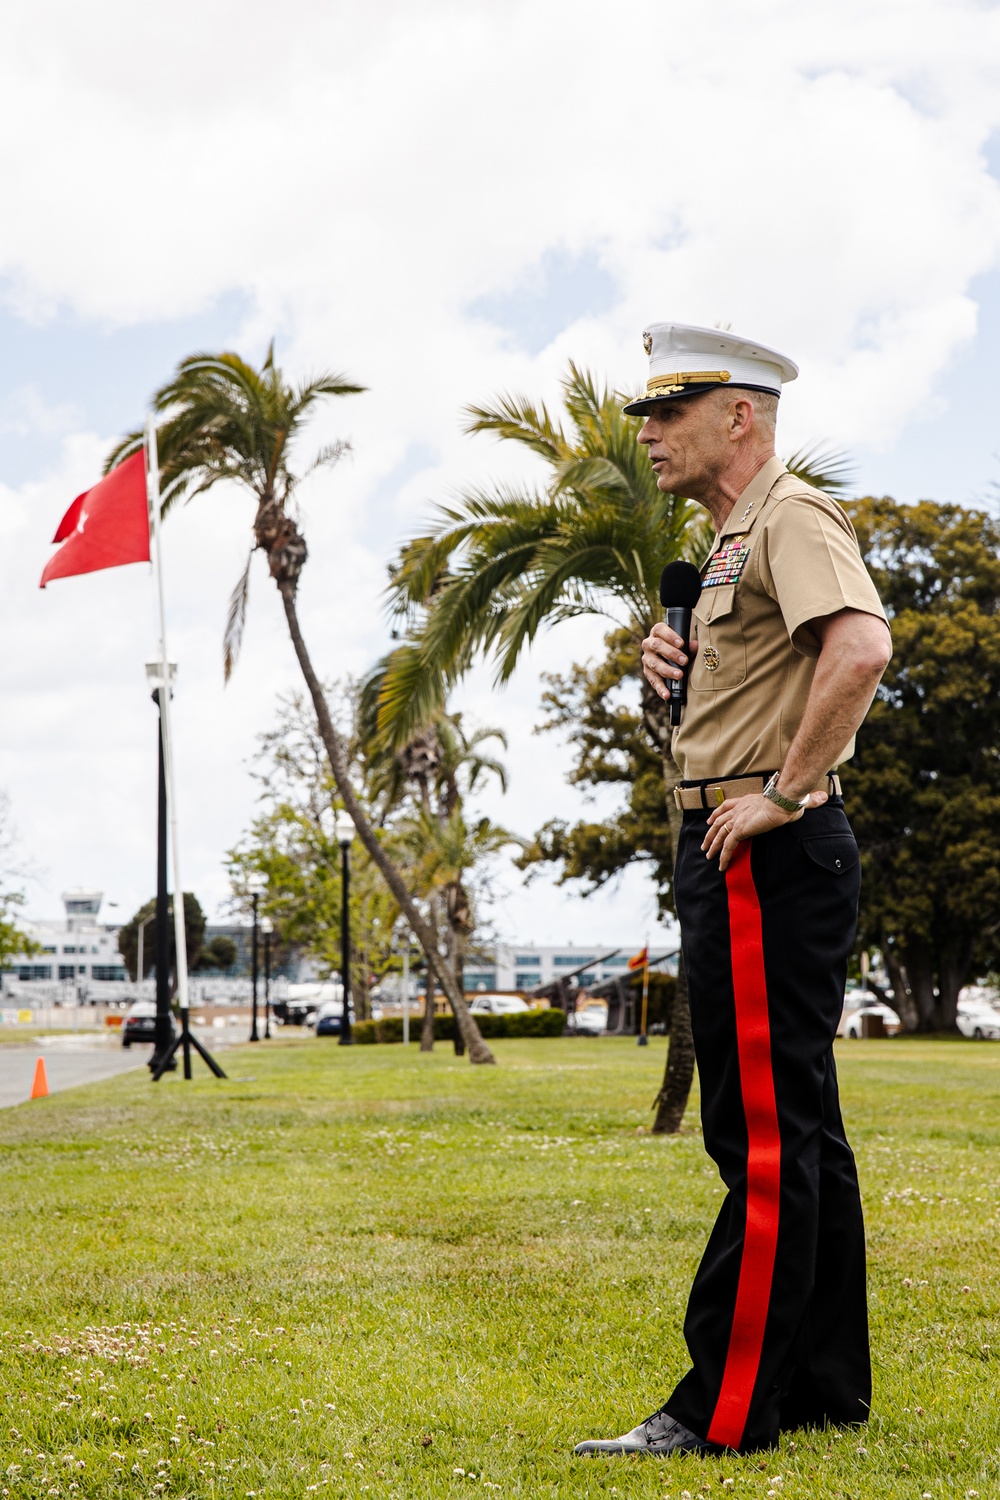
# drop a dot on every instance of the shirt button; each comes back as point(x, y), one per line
point(838, 864)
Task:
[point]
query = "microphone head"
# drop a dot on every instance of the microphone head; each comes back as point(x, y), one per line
point(680, 586)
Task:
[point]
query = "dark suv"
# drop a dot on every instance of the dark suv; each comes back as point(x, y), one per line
point(140, 1024)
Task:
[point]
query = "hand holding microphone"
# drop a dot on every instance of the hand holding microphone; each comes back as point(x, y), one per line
point(666, 651)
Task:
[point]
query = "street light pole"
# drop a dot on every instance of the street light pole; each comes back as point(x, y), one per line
point(345, 833)
point(267, 927)
point(253, 1025)
point(256, 885)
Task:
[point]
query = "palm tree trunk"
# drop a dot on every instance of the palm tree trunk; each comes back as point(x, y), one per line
point(427, 1029)
point(457, 962)
point(671, 1101)
point(336, 753)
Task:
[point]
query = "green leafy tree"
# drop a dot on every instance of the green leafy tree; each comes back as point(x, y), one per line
point(923, 790)
point(219, 953)
point(223, 419)
point(415, 801)
point(595, 708)
point(292, 843)
point(429, 780)
point(194, 936)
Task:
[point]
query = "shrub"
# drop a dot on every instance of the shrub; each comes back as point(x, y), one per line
point(524, 1023)
point(534, 1023)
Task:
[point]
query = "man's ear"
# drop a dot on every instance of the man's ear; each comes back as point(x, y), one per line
point(741, 417)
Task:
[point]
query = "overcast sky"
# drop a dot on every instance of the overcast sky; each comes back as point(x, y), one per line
point(443, 200)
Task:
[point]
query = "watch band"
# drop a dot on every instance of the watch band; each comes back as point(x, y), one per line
point(787, 804)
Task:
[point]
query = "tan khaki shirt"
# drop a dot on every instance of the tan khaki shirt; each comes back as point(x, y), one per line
point(787, 555)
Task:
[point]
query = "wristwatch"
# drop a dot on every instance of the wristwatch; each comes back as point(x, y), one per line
point(787, 804)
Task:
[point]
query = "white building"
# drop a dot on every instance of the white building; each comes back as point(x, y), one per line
point(76, 950)
point(525, 966)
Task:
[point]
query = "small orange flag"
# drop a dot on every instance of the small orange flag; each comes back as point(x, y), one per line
point(640, 960)
point(40, 1087)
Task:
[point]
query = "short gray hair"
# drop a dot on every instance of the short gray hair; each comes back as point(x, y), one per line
point(765, 403)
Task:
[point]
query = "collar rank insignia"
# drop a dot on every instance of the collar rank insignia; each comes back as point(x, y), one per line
point(726, 565)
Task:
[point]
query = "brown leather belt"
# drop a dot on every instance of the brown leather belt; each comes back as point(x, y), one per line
point(709, 794)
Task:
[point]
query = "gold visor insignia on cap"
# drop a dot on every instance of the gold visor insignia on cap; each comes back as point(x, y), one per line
point(677, 382)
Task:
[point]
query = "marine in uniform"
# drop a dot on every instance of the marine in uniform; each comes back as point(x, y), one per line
point(791, 641)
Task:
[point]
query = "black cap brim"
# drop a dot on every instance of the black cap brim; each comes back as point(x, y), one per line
point(642, 404)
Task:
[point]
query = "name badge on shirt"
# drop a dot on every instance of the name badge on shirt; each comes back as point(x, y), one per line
point(726, 565)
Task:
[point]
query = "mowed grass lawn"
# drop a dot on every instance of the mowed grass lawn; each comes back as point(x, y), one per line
point(374, 1273)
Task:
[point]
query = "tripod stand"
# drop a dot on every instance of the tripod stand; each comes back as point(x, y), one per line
point(186, 1039)
point(165, 1050)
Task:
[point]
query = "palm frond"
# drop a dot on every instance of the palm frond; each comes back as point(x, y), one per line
point(328, 456)
point(518, 420)
point(831, 470)
point(236, 617)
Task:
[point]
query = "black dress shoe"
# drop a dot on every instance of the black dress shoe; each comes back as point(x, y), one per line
point(657, 1436)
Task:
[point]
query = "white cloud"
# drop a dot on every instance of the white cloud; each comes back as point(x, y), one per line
point(365, 175)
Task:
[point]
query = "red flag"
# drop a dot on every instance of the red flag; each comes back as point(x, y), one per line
point(640, 960)
point(106, 526)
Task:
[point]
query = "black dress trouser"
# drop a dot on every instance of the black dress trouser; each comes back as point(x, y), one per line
point(777, 1322)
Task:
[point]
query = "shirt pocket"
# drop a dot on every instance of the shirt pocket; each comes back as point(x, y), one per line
point(722, 652)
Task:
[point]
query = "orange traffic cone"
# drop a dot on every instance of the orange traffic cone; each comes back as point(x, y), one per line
point(40, 1087)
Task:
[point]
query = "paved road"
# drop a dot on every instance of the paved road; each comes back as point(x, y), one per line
point(69, 1061)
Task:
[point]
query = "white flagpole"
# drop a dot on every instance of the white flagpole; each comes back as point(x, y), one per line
point(153, 496)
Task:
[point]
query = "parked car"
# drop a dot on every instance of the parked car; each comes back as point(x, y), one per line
point(976, 1018)
point(591, 1019)
point(853, 1021)
point(328, 1018)
point(139, 1024)
point(498, 1005)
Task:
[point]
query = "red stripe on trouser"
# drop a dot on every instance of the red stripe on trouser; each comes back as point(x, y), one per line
point(760, 1239)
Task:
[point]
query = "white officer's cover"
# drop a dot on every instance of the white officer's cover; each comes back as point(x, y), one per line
point(684, 359)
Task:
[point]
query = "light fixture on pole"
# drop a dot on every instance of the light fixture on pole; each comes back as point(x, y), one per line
point(256, 885)
point(267, 927)
point(344, 833)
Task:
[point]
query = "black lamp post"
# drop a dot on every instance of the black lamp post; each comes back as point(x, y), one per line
point(344, 830)
point(267, 927)
point(256, 884)
point(163, 1034)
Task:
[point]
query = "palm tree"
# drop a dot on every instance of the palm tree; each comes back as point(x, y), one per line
point(437, 768)
point(444, 850)
point(224, 419)
point(500, 564)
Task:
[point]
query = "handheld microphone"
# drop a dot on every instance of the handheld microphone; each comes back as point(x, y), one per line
point(680, 586)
